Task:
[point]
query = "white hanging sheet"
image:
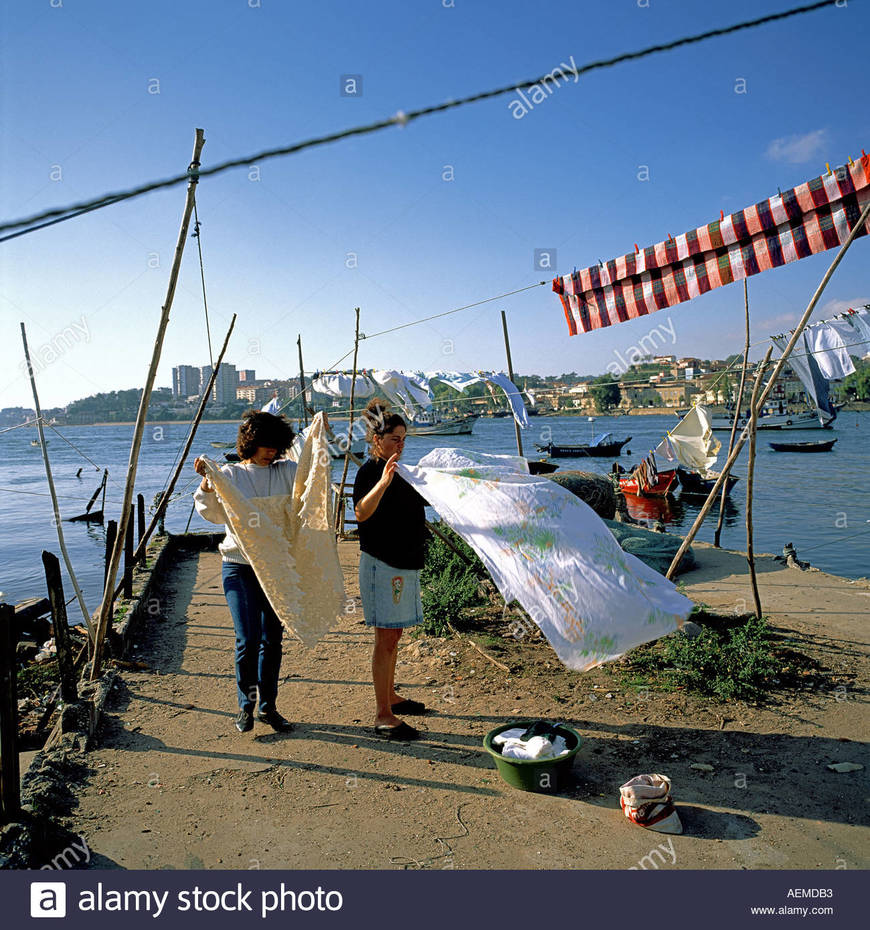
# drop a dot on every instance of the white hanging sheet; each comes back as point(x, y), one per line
point(691, 442)
point(548, 550)
point(289, 541)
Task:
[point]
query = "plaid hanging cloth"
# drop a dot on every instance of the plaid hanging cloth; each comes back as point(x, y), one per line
point(807, 219)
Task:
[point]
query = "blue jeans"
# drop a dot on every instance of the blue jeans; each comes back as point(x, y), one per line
point(258, 638)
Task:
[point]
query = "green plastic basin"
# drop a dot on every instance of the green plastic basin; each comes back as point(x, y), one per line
point(545, 776)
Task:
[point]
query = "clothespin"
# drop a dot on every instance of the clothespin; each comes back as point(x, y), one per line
point(600, 263)
point(851, 163)
point(829, 169)
point(670, 237)
point(778, 190)
point(721, 215)
point(636, 249)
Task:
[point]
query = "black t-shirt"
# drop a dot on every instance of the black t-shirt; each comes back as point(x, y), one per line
point(396, 532)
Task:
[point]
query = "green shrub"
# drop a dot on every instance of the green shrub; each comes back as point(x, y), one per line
point(448, 584)
point(729, 664)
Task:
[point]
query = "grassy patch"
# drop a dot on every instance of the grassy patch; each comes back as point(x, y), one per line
point(34, 680)
point(732, 662)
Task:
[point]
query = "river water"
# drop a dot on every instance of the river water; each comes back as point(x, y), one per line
point(819, 502)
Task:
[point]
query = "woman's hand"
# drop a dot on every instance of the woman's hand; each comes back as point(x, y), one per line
point(389, 470)
point(200, 469)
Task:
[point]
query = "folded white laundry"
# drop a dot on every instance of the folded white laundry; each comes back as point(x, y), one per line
point(538, 747)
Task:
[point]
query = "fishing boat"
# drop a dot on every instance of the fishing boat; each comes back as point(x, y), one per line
point(429, 424)
point(823, 446)
point(632, 484)
point(603, 446)
point(773, 419)
point(694, 483)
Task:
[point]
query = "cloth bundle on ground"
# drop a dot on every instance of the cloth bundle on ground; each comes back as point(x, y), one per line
point(541, 740)
point(646, 800)
point(551, 552)
point(289, 541)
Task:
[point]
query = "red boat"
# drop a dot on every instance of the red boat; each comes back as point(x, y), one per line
point(664, 481)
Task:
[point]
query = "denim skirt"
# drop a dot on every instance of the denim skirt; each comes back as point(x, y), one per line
point(390, 596)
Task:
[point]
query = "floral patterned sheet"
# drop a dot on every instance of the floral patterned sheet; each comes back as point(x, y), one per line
point(552, 553)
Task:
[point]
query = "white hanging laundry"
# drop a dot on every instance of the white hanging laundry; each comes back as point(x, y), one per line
point(403, 390)
point(548, 550)
point(458, 380)
point(829, 350)
point(515, 399)
point(271, 407)
point(338, 385)
point(691, 442)
point(289, 541)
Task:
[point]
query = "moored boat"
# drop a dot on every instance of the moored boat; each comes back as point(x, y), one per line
point(823, 446)
point(661, 487)
point(770, 419)
point(603, 446)
point(425, 425)
point(694, 483)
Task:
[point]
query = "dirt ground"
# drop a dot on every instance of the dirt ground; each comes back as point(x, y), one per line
point(173, 785)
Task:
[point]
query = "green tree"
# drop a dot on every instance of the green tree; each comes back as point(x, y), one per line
point(606, 393)
point(857, 384)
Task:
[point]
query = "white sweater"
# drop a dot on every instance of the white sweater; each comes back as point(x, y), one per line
point(275, 480)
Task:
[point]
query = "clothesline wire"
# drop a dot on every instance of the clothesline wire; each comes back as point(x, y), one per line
point(57, 215)
point(20, 425)
point(65, 497)
point(435, 316)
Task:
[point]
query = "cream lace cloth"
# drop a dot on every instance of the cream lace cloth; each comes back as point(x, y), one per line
point(289, 541)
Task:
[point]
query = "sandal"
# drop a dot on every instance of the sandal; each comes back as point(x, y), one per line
point(401, 732)
point(407, 706)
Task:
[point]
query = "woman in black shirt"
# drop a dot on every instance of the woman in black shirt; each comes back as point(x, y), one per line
point(392, 532)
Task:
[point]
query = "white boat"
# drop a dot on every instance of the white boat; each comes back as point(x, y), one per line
point(427, 424)
point(770, 419)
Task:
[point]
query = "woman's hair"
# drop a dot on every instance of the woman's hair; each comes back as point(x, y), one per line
point(379, 420)
point(263, 429)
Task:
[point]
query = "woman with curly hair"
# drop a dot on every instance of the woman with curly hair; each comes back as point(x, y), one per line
point(261, 472)
point(392, 534)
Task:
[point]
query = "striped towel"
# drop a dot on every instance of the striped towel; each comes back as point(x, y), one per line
point(810, 218)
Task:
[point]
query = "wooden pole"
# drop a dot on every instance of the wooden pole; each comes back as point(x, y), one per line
point(339, 516)
point(507, 349)
point(718, 533)
point(140, 519)
point(157, 519)
point(780, 364)
point(128, 555)
point(57, 521)
point(54, 583)
point(106, 605)
point(750, 474)
point(10, 776)
point(302, 382)
point(111, 536)
point(105, 483)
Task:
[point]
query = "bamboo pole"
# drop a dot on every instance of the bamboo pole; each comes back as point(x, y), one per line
point(507, 349)
point(57, 521)
point(302, 381)
point(106, 605)
point(718, 534)
point(750, 475)
point(167, 494)
point(780, 364)
point(339, 516)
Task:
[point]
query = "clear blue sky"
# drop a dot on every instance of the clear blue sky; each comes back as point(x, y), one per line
point(79, 120)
